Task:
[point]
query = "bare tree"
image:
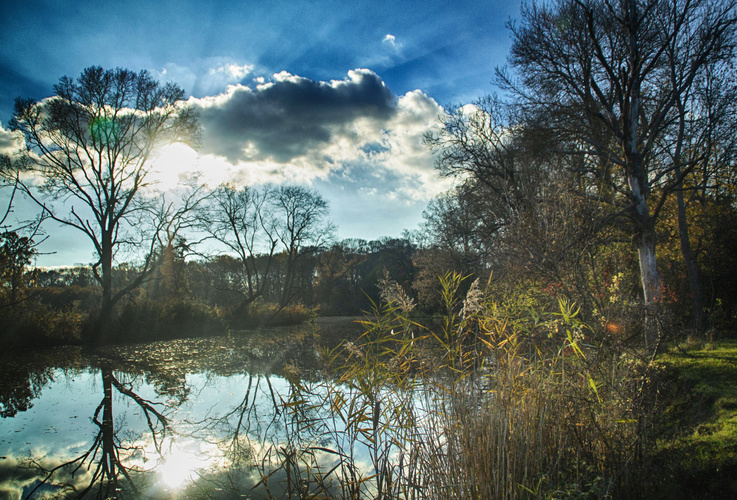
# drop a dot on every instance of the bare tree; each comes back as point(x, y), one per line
point(240, 220)
point(172, 247)
point(478, 141)
point(89, 147)
point(301, 222)
point(458, 224)
point(596, 72)
point(481, 146)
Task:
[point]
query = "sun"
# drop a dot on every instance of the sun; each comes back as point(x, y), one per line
point(173, 164)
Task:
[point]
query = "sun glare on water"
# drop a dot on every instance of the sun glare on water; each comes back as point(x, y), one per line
point(179, 468)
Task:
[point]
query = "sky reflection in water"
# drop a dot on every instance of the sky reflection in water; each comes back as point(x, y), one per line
point(192, 415)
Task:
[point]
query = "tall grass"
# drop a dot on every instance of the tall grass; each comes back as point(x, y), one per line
point(492, 401)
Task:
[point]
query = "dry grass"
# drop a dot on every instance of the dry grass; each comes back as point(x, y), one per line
point(486, 405)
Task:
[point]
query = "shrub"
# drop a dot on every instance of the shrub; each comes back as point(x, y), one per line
point(143, 321)
point(33, 324)
point(258, 314)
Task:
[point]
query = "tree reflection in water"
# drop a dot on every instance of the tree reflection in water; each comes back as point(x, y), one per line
point(20, 383)
point(106, 458)
point(195, 418)
point(239, 435)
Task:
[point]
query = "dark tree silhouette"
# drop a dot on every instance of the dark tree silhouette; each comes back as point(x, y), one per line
point(89, 146)
point(300, 222)
point(240, 220)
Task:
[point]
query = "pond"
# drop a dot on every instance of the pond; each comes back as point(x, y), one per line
point(190, 418)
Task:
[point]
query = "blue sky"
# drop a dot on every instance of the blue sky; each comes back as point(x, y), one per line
point(332, 94)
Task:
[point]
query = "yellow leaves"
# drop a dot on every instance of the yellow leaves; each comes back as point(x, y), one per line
point(337, 404)
point(592, 384)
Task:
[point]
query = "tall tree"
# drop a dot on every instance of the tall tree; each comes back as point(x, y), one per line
point(171, 245)
point(596, 72)
point(704, 138)
point(301, 217)
point(89, 147)
point(336, 288)
point(241, 221)
point(501, 173)
point(462, 223)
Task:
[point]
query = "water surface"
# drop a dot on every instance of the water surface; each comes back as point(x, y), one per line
point(190, 418)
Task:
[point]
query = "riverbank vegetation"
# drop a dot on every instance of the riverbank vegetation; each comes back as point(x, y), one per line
point(525, 341)
point(501, 398)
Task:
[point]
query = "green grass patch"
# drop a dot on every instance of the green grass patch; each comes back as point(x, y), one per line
point(696, 451)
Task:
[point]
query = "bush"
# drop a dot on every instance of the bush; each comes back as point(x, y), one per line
point(501, 399)
point(143, 321)
point(259, 314)
point(33, 324)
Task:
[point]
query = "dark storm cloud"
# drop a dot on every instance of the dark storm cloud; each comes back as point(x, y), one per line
point(290, 116)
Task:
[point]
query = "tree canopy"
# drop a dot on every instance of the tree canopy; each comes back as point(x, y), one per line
point(89, 148)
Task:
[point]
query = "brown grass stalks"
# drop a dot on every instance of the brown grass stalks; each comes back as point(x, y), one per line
point(487, 405)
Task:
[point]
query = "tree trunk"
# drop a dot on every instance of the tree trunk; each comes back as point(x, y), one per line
point(637, 176)
point(288, 279)
point(109, 455)
point(649, 276)
point(692, 269)
point(646, 242)
point(650, 280)
point(646, 237)
point(106, 309)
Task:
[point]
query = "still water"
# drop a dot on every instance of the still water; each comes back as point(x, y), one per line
point(191, 418)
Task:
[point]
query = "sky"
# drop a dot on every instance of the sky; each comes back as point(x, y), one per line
point(332, 95)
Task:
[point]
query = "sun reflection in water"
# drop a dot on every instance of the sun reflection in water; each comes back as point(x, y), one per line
point(178, 470)
point(182, 465)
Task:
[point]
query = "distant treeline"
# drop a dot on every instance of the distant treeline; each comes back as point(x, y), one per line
point(201, 296)
point(339, 280)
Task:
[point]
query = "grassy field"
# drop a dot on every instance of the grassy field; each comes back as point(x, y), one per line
point(696, 453)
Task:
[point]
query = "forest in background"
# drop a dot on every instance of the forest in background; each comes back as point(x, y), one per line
point(591, 228)
point(555, 253)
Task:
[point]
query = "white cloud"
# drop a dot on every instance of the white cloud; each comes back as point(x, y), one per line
point(233, 72)
point(469, 109)
point(388, 55)
point(404, 157)
point(391, 42)
point(10, 142)
point(286, 77)
point(296, 129)
point(206, 76)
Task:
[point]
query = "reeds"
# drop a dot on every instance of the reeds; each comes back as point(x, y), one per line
point(490, 403)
